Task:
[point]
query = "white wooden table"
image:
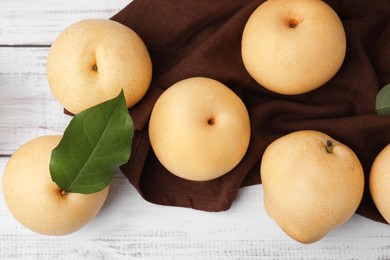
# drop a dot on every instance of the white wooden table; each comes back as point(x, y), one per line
point(127, 226)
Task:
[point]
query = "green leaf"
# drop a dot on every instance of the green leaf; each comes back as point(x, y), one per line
point(95, 143)
point(382, 103)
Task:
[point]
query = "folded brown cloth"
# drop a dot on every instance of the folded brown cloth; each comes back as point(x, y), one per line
point(189, 38)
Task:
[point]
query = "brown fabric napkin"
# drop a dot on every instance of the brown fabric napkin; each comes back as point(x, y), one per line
point(189, 38)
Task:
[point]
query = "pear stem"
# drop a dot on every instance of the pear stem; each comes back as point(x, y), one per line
point(329, 146)
point(64, 193)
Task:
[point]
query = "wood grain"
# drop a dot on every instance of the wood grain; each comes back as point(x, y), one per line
point(129, 227)
point(38, 22)
point(27, 106)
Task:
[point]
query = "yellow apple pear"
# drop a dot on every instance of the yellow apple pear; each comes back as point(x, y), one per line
point(199, 129)
point(293, 46)
point(379, 182)
point(312, 184)
point(36, 201)
point(92, 60)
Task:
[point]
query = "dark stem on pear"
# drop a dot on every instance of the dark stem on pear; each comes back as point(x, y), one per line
point(211, 121)
point(329, 146)
point(293, 23)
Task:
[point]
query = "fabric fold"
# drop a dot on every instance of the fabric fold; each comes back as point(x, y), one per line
point(203, 38)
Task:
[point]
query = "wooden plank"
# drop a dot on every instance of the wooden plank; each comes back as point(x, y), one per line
point(128, 226)
point(39, 22)
point(27, 106)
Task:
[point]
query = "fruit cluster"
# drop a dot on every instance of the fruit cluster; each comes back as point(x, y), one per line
point(312, 183)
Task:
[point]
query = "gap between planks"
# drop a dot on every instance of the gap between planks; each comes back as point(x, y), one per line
point(25, 46)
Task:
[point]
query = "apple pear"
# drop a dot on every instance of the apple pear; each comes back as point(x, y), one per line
point(36, 201)
point(199, 129)
point(293, 46)
point(379, 182)
point(312, 184)
point(92, 60)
